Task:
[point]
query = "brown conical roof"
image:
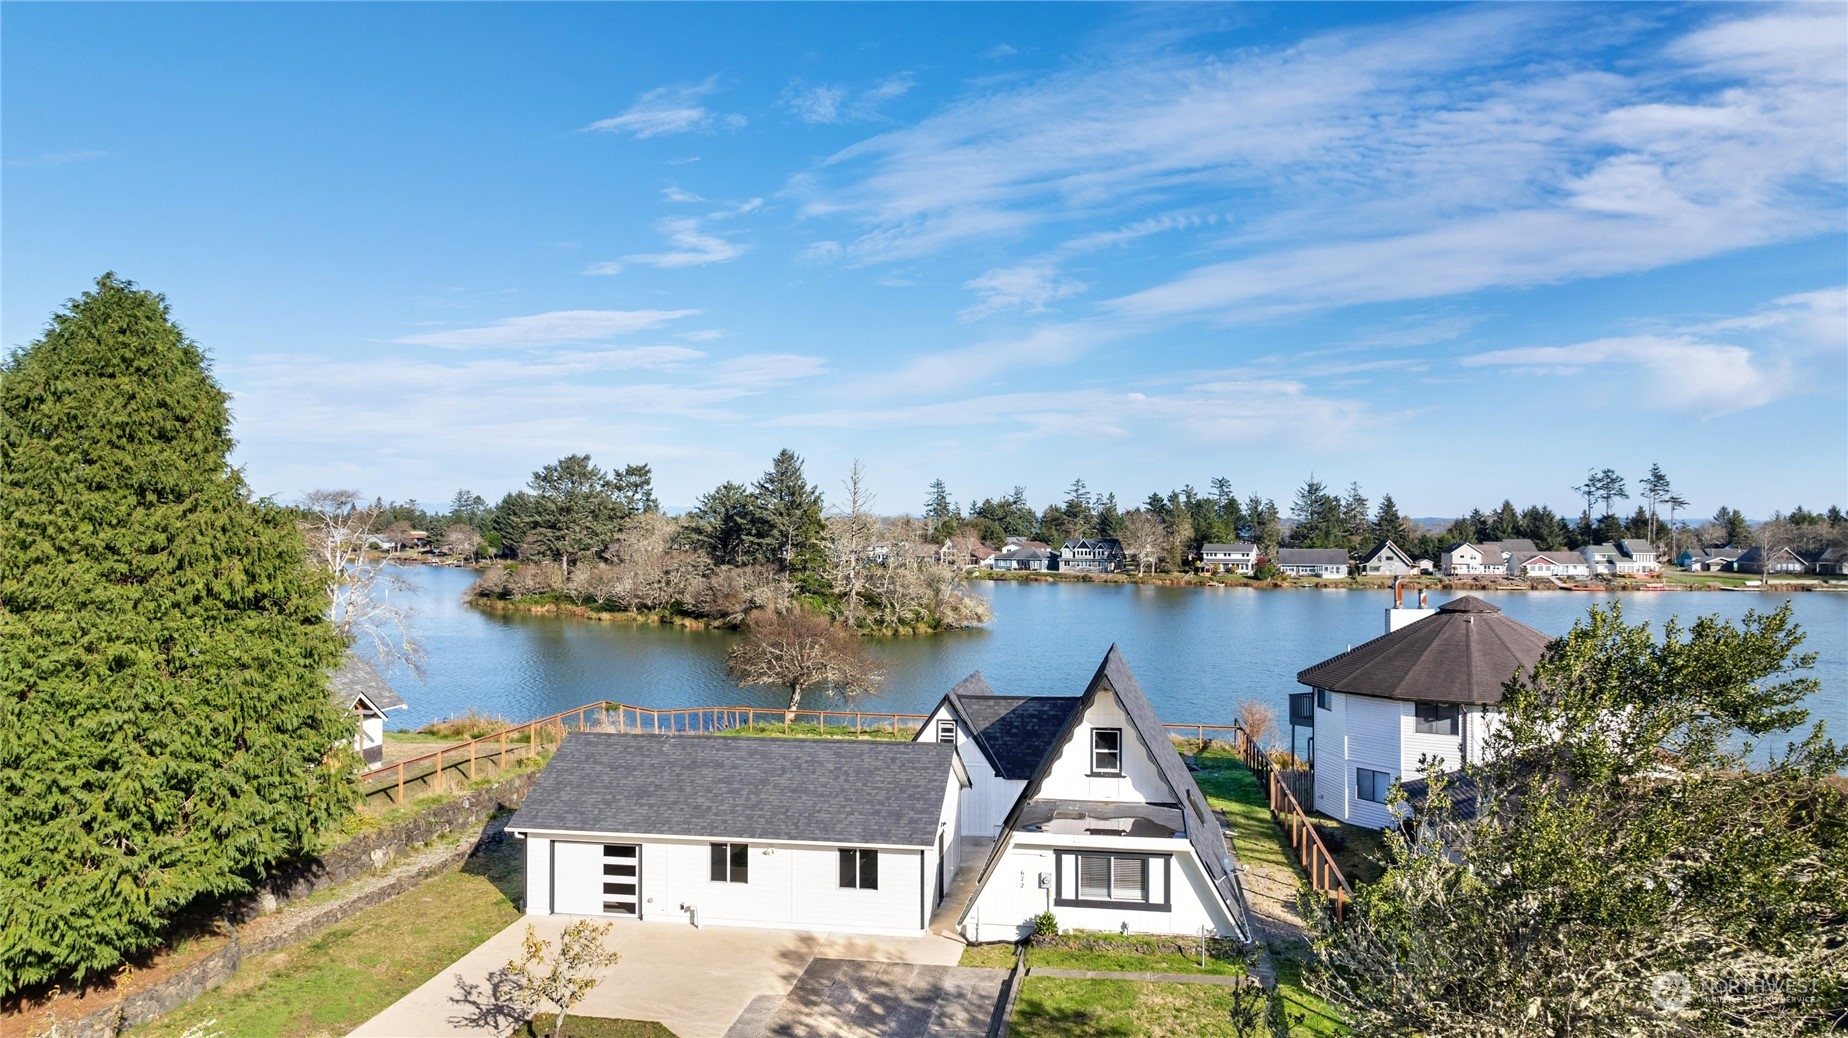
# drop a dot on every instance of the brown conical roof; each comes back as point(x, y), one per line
point(1464, 654)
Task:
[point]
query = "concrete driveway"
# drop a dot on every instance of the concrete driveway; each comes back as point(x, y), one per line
point(696, 982)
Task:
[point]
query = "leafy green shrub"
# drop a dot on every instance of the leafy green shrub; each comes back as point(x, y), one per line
point(1045, 925)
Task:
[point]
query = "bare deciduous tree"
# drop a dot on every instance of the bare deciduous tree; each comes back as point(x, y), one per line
point(1260, 722)
point(365, 593)
point(798, 650)
point(852, 531)
point(561, 978)
point(461, 539)
point(1144, 539)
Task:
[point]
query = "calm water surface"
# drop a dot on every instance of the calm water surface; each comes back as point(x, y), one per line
point(1197, 651)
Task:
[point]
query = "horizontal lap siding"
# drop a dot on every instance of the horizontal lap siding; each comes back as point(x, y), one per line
point(1333, 786)
point(1373, 733)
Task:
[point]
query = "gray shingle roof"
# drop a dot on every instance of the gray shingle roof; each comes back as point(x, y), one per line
point(841, 791)
point(355, 678)
point(1514, 544)
point(1238, 547)
point(1013, 732)
point(1311, 557)
point(1634, 545)
point(1382, 548)
point(1464, 654)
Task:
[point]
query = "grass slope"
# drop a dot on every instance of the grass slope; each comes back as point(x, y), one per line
point(1068, 1008)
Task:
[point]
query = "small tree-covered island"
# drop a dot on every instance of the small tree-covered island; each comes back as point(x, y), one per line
point(1610, 830)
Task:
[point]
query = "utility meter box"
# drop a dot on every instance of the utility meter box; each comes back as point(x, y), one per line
point(1045, 881)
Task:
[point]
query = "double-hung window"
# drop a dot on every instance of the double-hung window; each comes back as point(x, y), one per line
point(1436, 718)
point(946, 732)
point(859, 868)
point(731, 863)
point(1371, 785)
point(1106, 751)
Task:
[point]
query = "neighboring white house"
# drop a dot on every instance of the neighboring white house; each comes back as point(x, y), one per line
point(359, 688)
point(1321, 563)
point(1021, 554)
point(1001, 741)
point(1241, 557)
point(1429, 687)
point(1462, 560)
point(1111, 832)
point(1639, 557)
point(1548, 564)
point(1387, 560)
point(800, 834)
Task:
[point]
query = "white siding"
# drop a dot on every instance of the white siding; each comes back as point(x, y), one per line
point(985, 804)
point(1413, 745)
point(1005, 909)
point(1373, 741)
point(1331, 779)
point(790, 886)
point(1069, 776)
point(371, 732)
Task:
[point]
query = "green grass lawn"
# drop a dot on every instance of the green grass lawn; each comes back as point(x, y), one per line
point(1233, 788)
point(1068, 1008)
point(1306, 1013)
point(1128, 953)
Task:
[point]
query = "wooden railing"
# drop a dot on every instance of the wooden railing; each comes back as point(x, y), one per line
point(1324, 875)
point(491, 754)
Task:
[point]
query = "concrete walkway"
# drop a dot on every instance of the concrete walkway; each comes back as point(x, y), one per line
point(972, 852)
point(839, 999)
point(696, 982)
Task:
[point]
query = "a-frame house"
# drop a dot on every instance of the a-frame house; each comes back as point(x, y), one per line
point(1110, 832)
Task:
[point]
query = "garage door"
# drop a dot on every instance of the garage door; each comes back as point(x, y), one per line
point(596, 878)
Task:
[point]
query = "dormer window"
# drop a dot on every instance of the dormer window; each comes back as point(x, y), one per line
point(1106, 751)
point(946, 732)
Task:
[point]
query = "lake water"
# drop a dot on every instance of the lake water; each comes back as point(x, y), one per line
point(1197, 651)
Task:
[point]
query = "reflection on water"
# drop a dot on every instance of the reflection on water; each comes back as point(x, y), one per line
point(1197, 651)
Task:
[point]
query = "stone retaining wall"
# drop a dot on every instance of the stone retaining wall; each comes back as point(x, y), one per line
point(368, 853)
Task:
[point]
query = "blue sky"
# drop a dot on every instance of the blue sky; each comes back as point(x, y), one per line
point(1452, 253)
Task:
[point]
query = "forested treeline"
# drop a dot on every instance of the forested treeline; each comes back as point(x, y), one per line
point(777, 522)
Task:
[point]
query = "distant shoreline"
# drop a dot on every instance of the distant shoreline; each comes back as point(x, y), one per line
point(1669, 583)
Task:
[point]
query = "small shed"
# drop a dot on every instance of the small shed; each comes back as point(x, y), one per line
point(358, 686)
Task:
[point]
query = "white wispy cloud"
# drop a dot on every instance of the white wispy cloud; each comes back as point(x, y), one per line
point(690, 246)
point(1476, 148)
point(606, 268)
point(673, 193)
point(1032, 288)
point(1708, 368)
point(679, 108)
point(828, 103)
point(548, 329)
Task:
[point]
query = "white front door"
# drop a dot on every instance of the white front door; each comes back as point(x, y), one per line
point(596, 878)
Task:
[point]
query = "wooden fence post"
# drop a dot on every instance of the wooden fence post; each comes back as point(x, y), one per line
point(436, 778)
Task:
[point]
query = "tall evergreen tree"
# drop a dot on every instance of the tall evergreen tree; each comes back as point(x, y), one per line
point(1389, 525)
point(720, 524)
point(1315, 516)
point(578, 509)
point(1656, 489)
point(166, 728)
point(940, 512)
point(786, 523)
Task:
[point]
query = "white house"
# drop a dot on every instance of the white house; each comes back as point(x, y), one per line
point(800, 834)
point(1091, 555)
point(1240, 557)
point(1321, 563)
point(1111, 832)
point(1386, 559)
point(1001, 741)
point(1431, 686)
point(359, 688)
point(1462, 560)
point(1548, 564)
point(1639, 557)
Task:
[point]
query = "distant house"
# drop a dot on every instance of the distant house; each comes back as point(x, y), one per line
point(1091, 555)
point(1427, 566)
point(1548, 564)
point(1465, 560)
point(359, 688)
point(1014, 557)
point(1239, 557)
point(1639, 557)
point(1602, 558)
point(1510, 545)
point(1831, 562)
point(976, 554)
point(1320, 563)
point(1387, 560)
point(1707, 560)
point(1431, 687)
point(1782, 560)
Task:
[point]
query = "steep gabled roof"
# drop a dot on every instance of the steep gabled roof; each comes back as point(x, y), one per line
point(1464, 654)
point(1633, 546)
point(1203, 832)
point(1014, 733)
point(355, 679)
point(1382, 548)
point(841, 791)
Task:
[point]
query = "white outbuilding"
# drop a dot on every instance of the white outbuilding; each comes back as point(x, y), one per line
point(358, 687)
